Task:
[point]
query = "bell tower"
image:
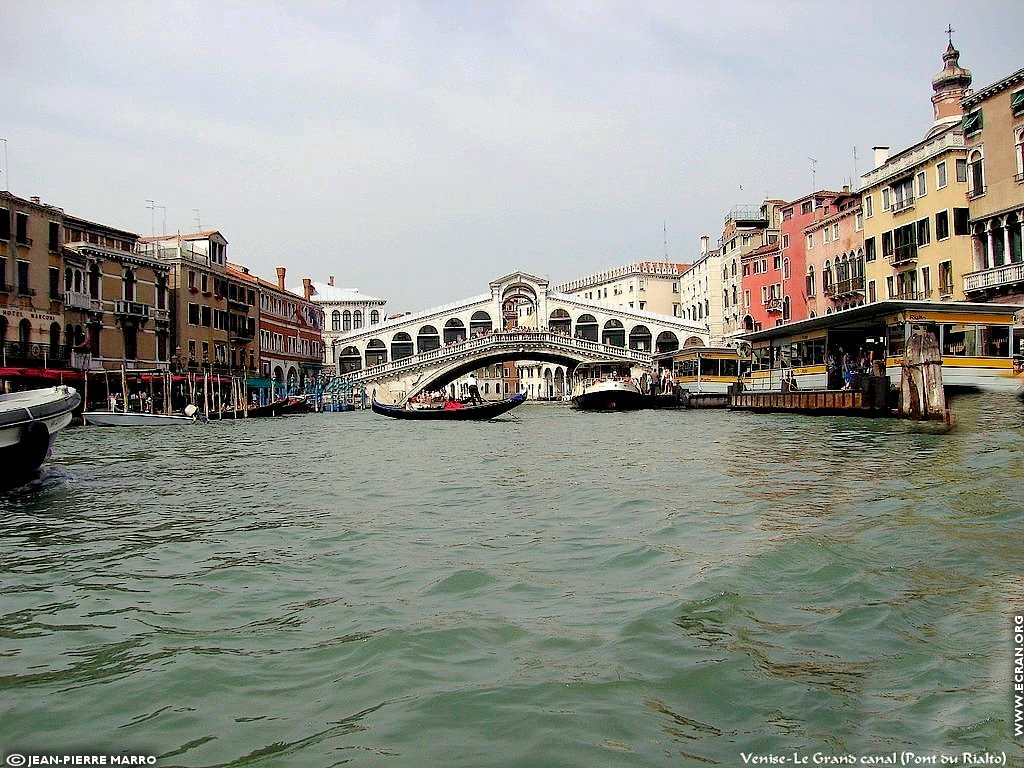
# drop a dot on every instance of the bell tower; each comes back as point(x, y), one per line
point(950, 86)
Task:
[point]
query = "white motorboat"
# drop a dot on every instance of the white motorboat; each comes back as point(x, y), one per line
point(29, 423)
point(603, 388)
point(138, 419)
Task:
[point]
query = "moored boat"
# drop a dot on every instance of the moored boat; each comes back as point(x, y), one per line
point(136, 419)
point(598, 389)
point(29, 423)
point(451, 411)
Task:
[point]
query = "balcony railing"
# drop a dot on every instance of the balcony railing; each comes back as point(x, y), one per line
point(846, 287)
point(133, 308)
point(161, 314)
point(905, 204)
point(15, 354)
point(976, 192)
point(76, 300)
point(994, 278)
point(904, 254)
point(946, 289)
point(1019, 178)
point(913, 295)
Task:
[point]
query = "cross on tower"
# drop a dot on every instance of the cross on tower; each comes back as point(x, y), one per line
point(950, 31)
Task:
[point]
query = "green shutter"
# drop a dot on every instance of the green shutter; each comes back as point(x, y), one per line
point(972, 122)
point(1017, 101)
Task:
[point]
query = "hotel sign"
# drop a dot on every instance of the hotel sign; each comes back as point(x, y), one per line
point(28, 314)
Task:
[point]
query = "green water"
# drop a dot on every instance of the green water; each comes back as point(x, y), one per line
point(566, 589)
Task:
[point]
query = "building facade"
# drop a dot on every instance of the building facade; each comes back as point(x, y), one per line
point(344, 310)
point(31, 299)
point(116, 300)
point(747, 227)
point(994, 138)
point(291, 345)
point(700, 291)
point(834, 270)
point(916, 231)
point(215, 314)
point(652, 286)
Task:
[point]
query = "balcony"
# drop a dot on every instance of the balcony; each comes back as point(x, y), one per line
point(905, 204)
point(994, 278)
point(76, 300)
point(773, 305)
point(161, 315)
point(131, 308)
point(843, 288)
point(904, 254)
point(975, 192)
point(913, 295)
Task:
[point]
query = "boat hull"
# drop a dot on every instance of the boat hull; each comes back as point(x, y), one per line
point(468, 413)
point(108, 419)
point(608, 396)
point(29, 423)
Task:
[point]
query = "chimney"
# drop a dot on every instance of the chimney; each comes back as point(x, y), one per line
point(307, 287)
point(704, 241)
point(34, 200)
point(280, 278)
point(331, 281)
point(846, 189)
point(881, 155)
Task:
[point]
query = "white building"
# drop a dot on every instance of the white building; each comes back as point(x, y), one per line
point(652, 286)
point(345, 310)
point(700, 292)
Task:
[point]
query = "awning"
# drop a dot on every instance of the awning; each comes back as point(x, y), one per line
point(1017, 101)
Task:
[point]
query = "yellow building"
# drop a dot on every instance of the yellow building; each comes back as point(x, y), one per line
point(994, 132)
point(916, 232)
point(31, 310)
point(116, 301)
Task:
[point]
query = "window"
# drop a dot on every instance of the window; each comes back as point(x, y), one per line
point(926, 279)
point(886, 244)
point(942, 225)
point(785, 241)
point(810, 281)
point(5, 224)
point(960, 219)
point(23, 287)
point(924, 235)
point(869, 249)
point(193, 315)
point(807, 207)
point(885, 199)
point(946, 278)
point(859, 221)
point(785, 269)
point(903, 194)
point(961, 171)
point(54, 237)
point(869, 207)
point(207, 318)
point(21, 228)
point(977, 174)
point(922, 188)
point(55, 283)
point(973, 122)
point(776, 262)
point(787, 214)
point(835, 231)
point(940, 175)
point(1017, 102)
point(872, 298)
point(1019, 151)
point(746, 298)
point(890, 286)
point(825, 235)
point(810, 241)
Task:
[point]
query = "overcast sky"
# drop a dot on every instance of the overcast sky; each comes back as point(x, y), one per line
point(418, 150)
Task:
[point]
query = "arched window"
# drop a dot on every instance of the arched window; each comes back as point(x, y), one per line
point(976, 178)
point(810, 281)
point(129, 285)
point(374, 317)
point(346, 321)
point(336, 320)
point(357, 319)
point(1019, 152)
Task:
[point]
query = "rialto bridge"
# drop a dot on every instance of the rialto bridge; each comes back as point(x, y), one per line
point(520, 319)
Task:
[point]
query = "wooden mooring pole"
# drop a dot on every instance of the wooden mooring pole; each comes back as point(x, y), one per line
point(921, 394)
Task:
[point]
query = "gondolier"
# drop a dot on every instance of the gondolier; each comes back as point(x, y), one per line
point(474, 390)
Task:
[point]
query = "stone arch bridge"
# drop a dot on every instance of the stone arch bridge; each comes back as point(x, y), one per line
point(520, 319)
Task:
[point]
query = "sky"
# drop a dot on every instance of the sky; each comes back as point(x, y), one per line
point(419, 150)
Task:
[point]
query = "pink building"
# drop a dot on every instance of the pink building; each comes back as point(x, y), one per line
point(834, 273)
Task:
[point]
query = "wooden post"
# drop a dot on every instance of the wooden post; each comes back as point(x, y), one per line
point(206, 394)
point(85, 391)
point(921, 392)
point(124, 386)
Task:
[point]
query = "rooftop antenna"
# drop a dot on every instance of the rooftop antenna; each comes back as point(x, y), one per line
point(855, 174)
point(665, 230)
point(813, 164)
point(7, 170)
point(152, 217)
point(199, 226)
point(164, 209)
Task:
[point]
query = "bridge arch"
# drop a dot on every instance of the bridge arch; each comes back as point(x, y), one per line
point(349, 360)
point(614, 333)
point(376, 353)
point(427, 339)
point(560, 321)
point(667, 342)
point(586, 327)
point(401, 346)
point(640, 338)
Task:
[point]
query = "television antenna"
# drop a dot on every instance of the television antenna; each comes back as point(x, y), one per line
point(813, 164)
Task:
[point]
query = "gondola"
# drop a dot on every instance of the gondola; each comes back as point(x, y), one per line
point(465, 413)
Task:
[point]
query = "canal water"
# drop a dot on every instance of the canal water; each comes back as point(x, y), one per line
point(656, 588)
